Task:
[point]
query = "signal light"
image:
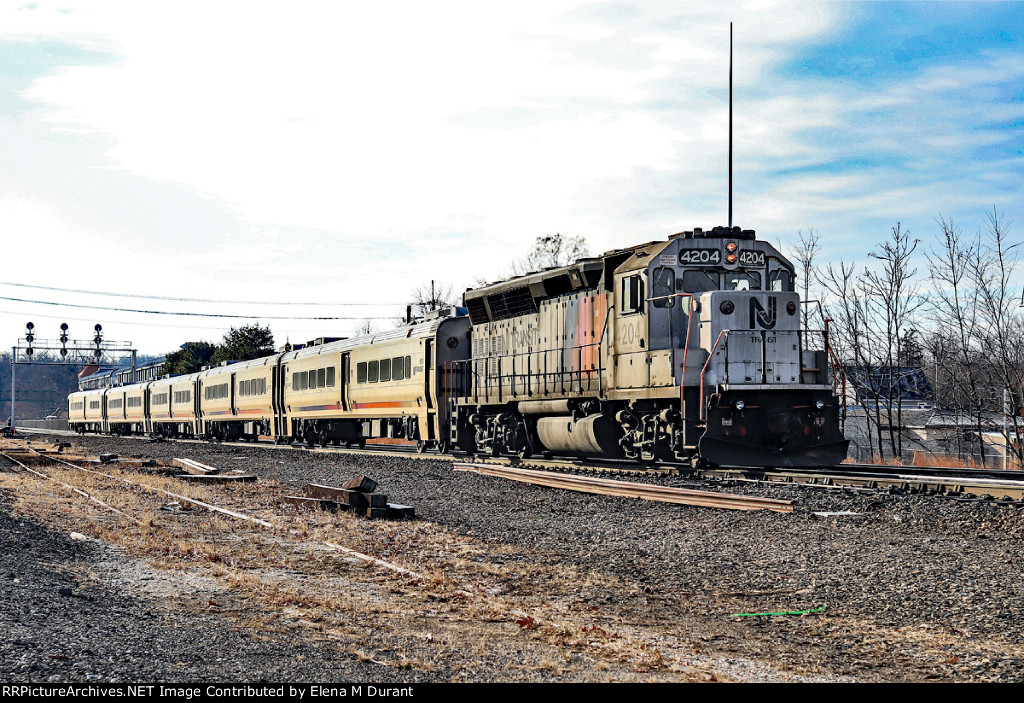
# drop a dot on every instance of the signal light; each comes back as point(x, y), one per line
point(791, 307)
point(63, 327)
point(98, 327)
point(29, 337)
point(30, 326)
point(63, 352)
point(29, 352)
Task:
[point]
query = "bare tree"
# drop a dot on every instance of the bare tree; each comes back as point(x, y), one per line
point(367, 326)
point(804, 253)
point(872, 310)
point(847, 306)
point(978, 352)
point(895, 299)
point(550, 250)
point(432, 296)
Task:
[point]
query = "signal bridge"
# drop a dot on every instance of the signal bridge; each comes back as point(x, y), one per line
point(64, 351)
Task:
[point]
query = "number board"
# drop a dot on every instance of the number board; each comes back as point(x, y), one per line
point(751, 258)
point(700, 257)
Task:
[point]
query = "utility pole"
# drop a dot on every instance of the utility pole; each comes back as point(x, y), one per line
point(1007, 408)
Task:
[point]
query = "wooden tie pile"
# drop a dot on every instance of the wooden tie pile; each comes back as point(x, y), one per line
point(204, 473)
point(355, 496)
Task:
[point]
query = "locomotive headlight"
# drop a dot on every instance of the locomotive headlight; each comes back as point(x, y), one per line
point(739, 405)
point(731, 258)
point(819, 404)
point(727, 307)
point(731, 246)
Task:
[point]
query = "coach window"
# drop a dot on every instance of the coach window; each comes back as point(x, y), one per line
point(398, 369)
point(385, 369)
point(664, 285)
point(374, 368)
point(330, 376)
point(742, 280)
point(408, 367)
point(361, 373)
point(321, 378)
point(632, 294)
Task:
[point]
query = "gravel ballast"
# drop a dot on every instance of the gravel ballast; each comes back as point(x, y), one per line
point(912, 588)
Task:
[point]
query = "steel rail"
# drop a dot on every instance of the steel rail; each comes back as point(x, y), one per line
point(73, 489)
point(939, 479)
point(934, 483)
point(626, 489)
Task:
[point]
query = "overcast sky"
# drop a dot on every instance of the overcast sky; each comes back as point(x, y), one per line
point(345, 153)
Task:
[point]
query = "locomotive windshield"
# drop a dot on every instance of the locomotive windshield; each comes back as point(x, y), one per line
point(664, 285)
point(699, 281)
point(742, 280)
point(781, 280)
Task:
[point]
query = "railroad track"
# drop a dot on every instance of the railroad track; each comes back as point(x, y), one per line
point(884, 478)
point(645, 491)
point(956, 482)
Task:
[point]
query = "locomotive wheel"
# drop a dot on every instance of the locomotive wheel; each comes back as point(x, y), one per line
point(421, 446)
point(442, 446)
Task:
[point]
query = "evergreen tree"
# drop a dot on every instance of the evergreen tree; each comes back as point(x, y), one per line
point(244, 343)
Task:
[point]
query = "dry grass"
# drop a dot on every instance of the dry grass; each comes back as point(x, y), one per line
point(944, 461)
point(466, 609)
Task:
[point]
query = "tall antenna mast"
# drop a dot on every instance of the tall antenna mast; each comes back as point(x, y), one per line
point(730, 124)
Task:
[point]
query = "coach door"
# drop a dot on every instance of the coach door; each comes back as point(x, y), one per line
point(343, 380)
point(277, 399)
point(200, 423)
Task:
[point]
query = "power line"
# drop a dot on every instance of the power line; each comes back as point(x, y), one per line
point(194, 314)
point(149, 325)
point(193, 300)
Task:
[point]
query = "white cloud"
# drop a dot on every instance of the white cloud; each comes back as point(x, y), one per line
point(349, 152)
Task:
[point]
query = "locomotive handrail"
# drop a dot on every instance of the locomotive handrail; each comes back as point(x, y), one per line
point(723, 333)
point(837, 368)
point(472, 387)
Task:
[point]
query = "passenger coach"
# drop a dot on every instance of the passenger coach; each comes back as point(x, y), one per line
point(389, 385)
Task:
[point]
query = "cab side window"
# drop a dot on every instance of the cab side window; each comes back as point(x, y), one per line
point(632, 294)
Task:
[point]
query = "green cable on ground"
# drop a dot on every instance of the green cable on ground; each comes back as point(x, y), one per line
point(789, 612)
